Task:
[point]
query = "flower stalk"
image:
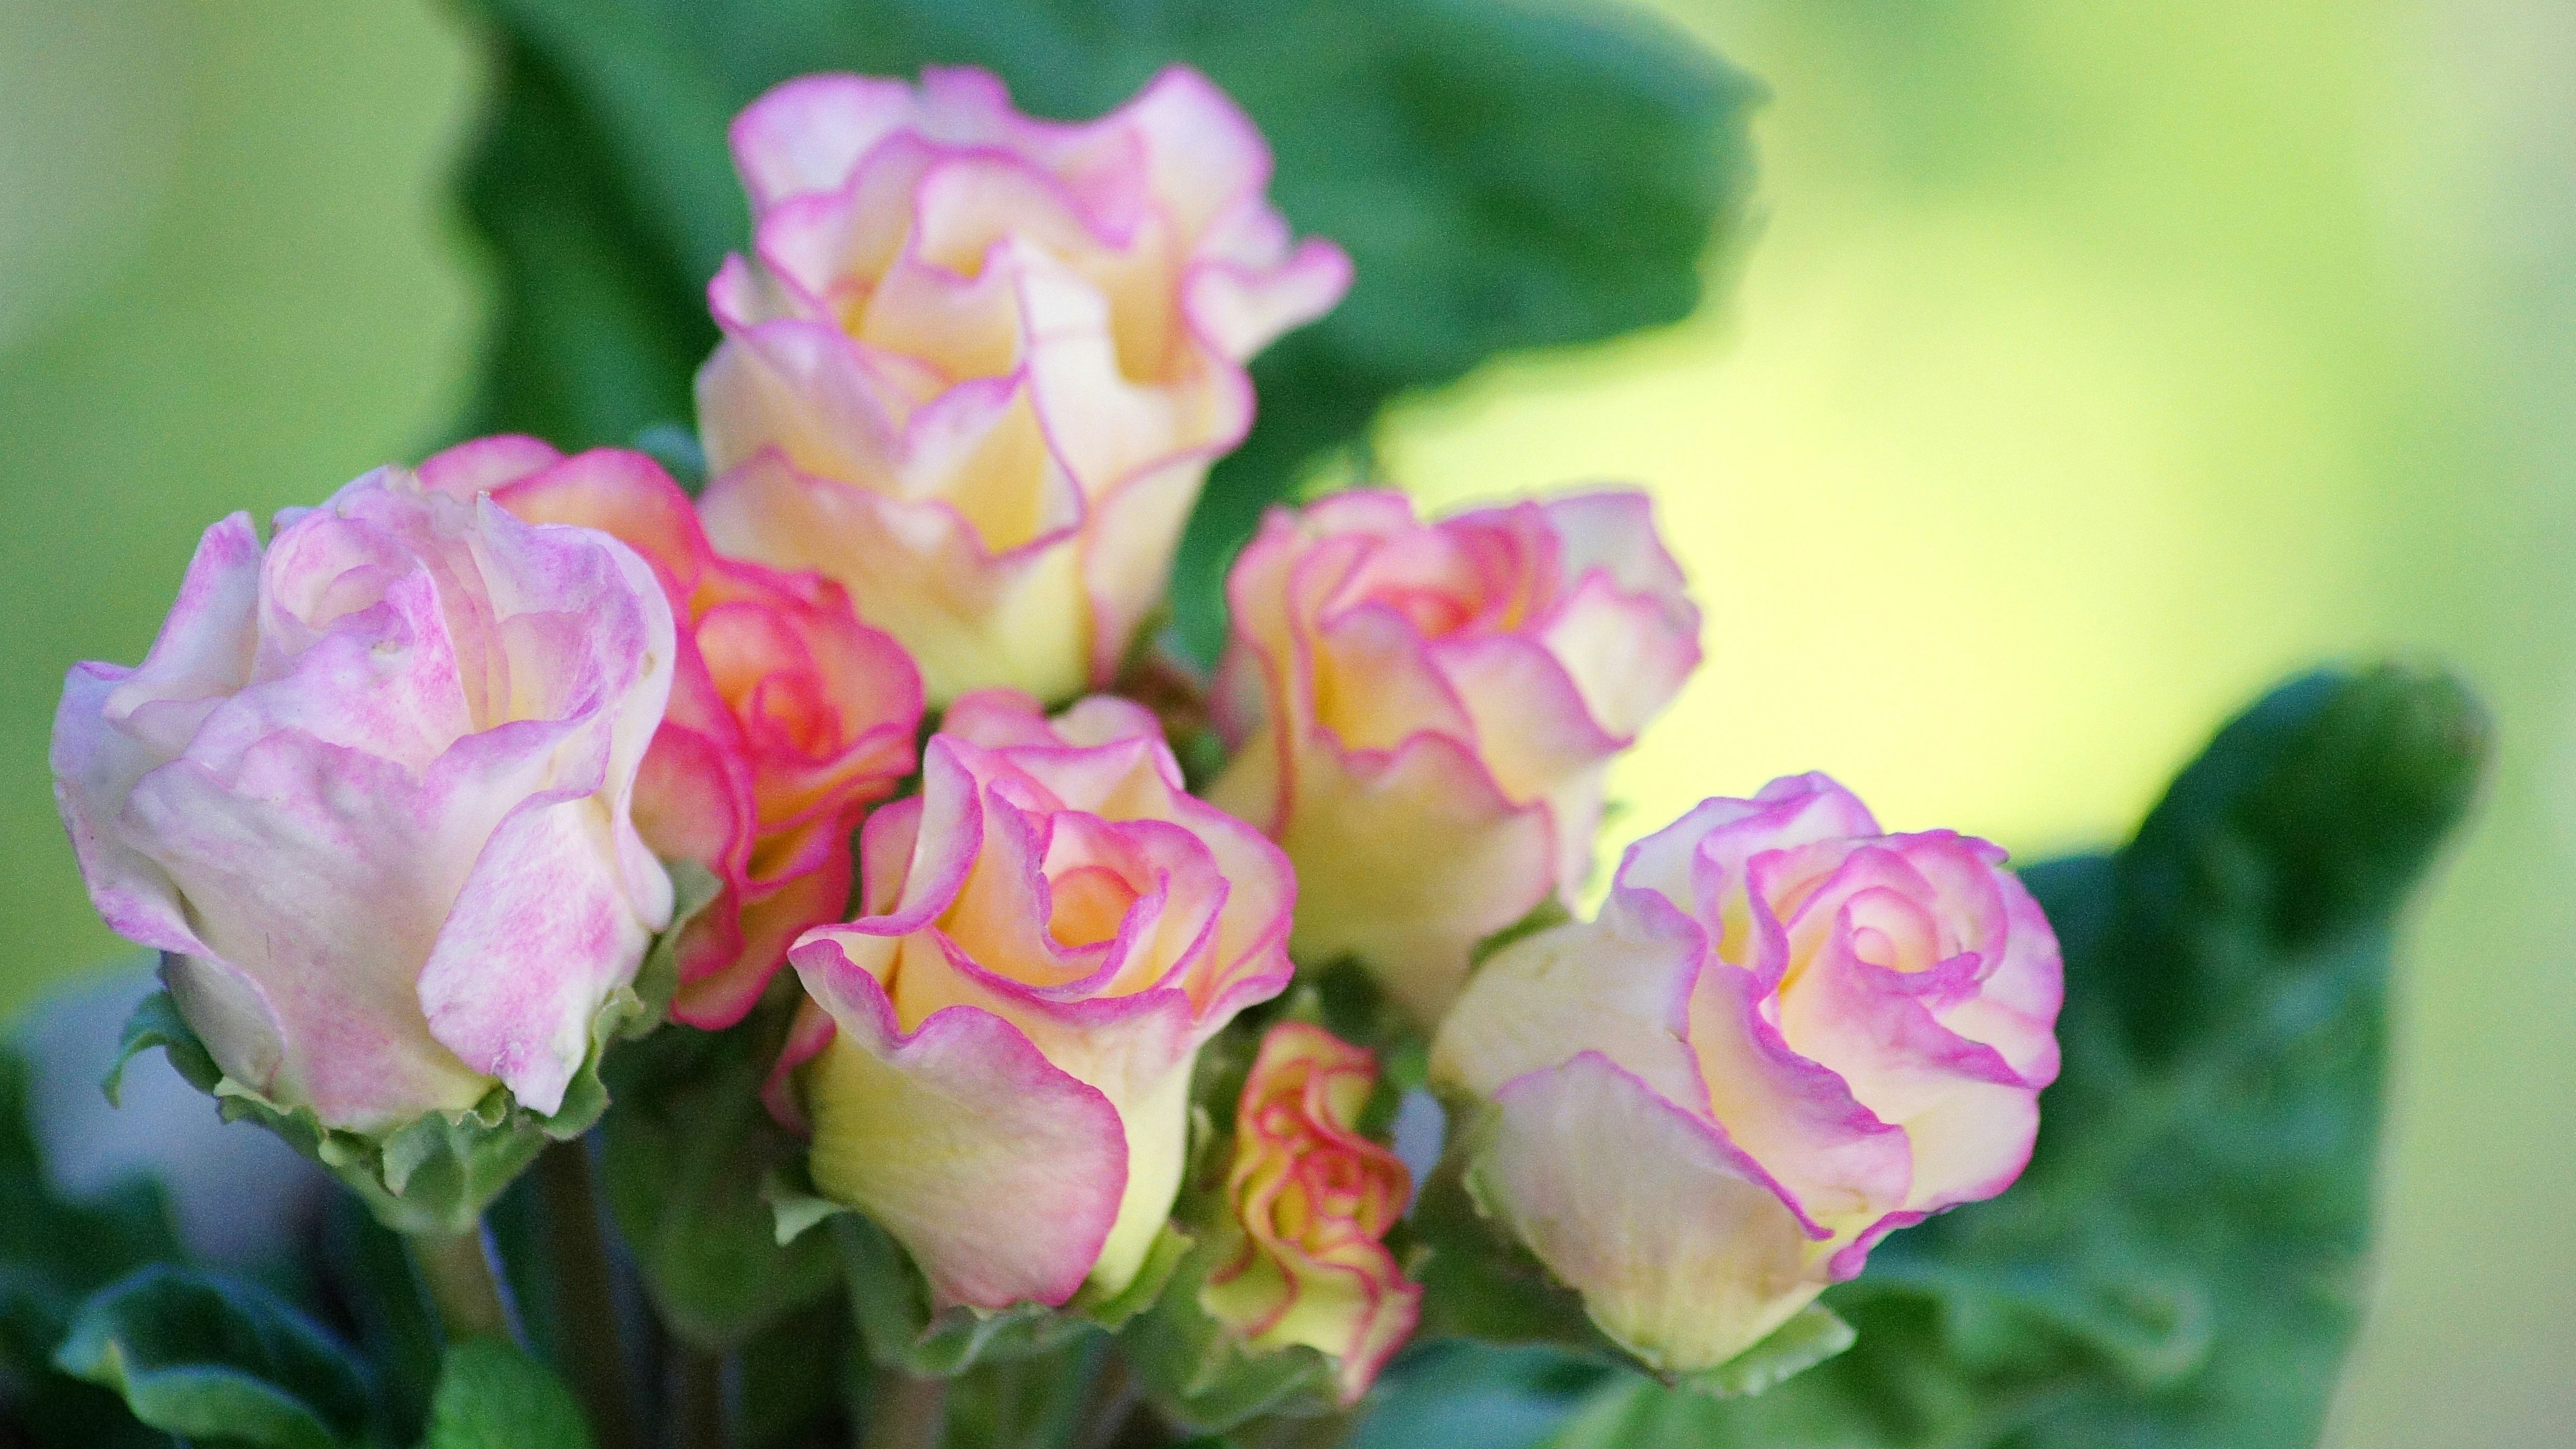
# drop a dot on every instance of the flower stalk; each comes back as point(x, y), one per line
point(457, 1269)
point(905, 1412)
point(585, 1293)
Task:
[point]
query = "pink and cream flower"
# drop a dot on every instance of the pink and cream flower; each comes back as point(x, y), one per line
point(1425, 713)
point(1787, 1035)
point(977, 364)
point(788, 716)
point(370, 794)
point(995, 1060)
point(1314, 1200)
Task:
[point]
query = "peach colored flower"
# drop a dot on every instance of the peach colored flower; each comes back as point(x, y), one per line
point(788, 716)
point(996, 1058)
point(1314, 1200)
point(1425, 713)
point(977, 364)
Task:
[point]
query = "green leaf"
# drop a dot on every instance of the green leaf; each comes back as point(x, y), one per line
point(210, 1358)
point(53, 1255)
point(686, 1150)
point(2183, 1264)
point(1428, 137)
point(438, 1172)
point(374, 1280)
point(491, 1396)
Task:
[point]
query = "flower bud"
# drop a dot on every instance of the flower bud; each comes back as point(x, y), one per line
point(371, 795)
point(1786, 1035)
point(1425, 713)
point(1314, 1200)
point(995, 1063)
point(977, 364)
point(788, 716)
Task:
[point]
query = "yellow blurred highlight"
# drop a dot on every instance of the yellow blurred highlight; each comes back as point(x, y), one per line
point(1954, 513)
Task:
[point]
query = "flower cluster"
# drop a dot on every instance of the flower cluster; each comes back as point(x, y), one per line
point(407, 795)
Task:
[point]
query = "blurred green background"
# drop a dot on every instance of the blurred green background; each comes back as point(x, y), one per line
point(2098, 363)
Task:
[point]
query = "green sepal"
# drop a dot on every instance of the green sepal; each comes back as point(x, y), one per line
point(436, 1173)
point(657, 980)
point(214, 1359)
point(492, 1396)
point(890, 1299)
point(1812, 1335)
point(1546, 915)
point(796, 1206)
point(1112, 1310)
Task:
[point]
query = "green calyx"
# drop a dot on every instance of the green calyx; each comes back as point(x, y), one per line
point(437, 1172)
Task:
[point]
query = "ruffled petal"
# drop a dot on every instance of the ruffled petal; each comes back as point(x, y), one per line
point(1001, 1173)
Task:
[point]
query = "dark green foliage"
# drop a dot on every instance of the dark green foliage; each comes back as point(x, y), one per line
point(2181, 1267)
point(219, 1360)
point(53, 1254)
point(1432, 138)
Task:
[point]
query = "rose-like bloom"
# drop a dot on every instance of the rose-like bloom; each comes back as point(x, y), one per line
point(1786, 1035)
point(788, 716)
point(370, 793)
point(995, 1062)
point(1314, 1199)
point(978, 364)
point(1425, 713)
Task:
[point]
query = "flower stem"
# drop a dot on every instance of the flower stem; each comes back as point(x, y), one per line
point(1111, 1402)
point(457, 1269)
point(586, 1297)
point(697, 1398)
point(905, 1412)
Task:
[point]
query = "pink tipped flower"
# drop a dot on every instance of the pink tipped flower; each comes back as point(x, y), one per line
point(996, 1059)
point(1425, 713)
point(978, 364)
point(1314, 1200)
point(788, 716)
point(1786, 1036)
point(370, 794)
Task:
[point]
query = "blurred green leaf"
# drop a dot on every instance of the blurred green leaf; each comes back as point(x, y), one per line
point(375, 1282)
point(686, 1149)
point(1505, 174)
point(217, 1359)
point(2182, 1265)
point(491, 1396)
point(54, 1254)
point(1463, 1392)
